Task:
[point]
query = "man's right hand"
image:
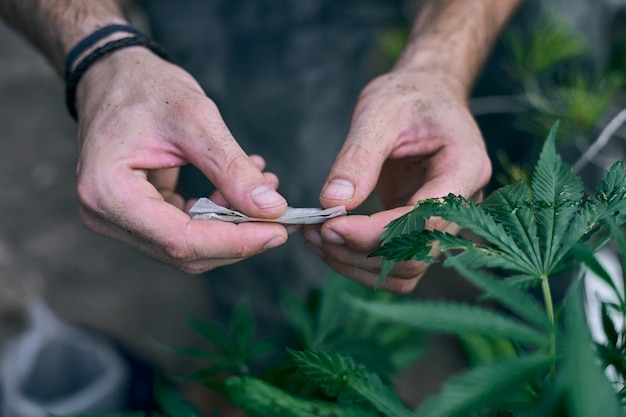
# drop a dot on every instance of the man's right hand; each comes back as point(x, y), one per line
point(140, 119)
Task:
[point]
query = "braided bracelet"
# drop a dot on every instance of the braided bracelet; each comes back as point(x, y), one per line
point(75, 76)
point(94, 38)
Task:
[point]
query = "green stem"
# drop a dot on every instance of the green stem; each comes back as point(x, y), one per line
point(547, 300)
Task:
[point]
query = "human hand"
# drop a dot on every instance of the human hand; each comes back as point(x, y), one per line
point(140, 118)
point(413, 135)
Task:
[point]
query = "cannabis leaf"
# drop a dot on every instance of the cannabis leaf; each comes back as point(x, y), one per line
point(519, 302)
point(232, 349)
point(340, 377)
point(453, 318)
point(483, 385)
point(262, 399)
point(511, 207)
point(556, 196)
point(588, 390)
point(530, 230)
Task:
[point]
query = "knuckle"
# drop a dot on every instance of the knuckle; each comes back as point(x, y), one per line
point(87, 219)
point(242, 252)
point(409, 270)
point(177, 252)
point(85, 196)
point(235, 161)
point(401, 286)
point(195, 269)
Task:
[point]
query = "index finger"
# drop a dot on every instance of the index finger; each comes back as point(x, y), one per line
point(360, 232)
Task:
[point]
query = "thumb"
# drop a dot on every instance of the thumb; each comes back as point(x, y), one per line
point(355, 172)
point(238, 179)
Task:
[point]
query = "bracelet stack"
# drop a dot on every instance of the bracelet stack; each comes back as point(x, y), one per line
point(72, 78)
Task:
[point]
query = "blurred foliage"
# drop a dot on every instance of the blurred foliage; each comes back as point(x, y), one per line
point(579, 100)
point(556, 80)
point(533, 55)
point(390, 47)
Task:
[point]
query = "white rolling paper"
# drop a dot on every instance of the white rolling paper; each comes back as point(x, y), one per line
point(205, 209)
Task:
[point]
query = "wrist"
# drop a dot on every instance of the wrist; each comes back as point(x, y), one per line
point(116, 80)
point(94, 41)
point(453, 38)
point(430, 67)
point(81, 20)
point(97, 46)
point(76, 24)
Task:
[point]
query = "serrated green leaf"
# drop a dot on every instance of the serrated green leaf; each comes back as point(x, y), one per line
point(482, 349)
point(608, 326)
point(476, 256)
point(557, 194)
point(522, 282)
point(519, 302)
point(609, 202)
point(385, 269)
point(620, 237)
point(261, 399)
point(484, 385)
point(511, 207)
point(408, 246)
point(417, 246)
point(452, 318)
point(455, 209)
point(583, 223)
point(612, 356)
point(589, 393)
point(611, 193)
point(586, 256)
point(474, 218)
point(326, 370)
point(410, 222)
point(342, 378)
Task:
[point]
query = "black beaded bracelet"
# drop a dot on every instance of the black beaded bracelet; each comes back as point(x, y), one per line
point(75, 76)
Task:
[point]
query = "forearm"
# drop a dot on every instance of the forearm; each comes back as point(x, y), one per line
point(55, 26)
point(454, 37)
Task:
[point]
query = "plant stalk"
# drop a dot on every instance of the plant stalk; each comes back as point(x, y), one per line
point(549, 305)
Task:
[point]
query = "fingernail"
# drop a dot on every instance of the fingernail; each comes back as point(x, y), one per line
point(338, 189)
point(277, 241)
point(333, 237)
point(313, 237)
point(264, 196)
point(292, 228)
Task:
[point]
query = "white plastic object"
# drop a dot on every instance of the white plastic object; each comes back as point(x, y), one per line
point(56, 369)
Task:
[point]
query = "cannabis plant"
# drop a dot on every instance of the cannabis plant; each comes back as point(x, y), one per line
point(541, 361)
point(529, 235)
